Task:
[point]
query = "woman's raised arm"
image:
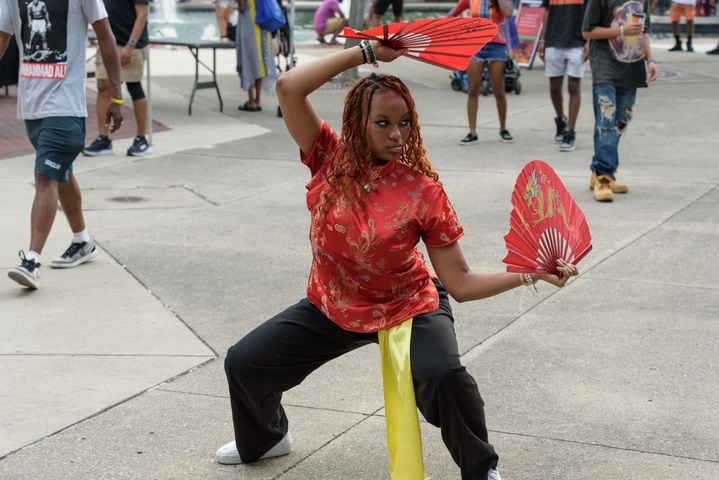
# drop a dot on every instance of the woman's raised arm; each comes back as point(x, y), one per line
point(294, 87)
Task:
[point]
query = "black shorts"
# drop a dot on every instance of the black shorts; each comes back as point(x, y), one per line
point(380, 7)
point(57, 142)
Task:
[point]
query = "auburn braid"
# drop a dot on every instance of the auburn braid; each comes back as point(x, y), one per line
point(353, 163)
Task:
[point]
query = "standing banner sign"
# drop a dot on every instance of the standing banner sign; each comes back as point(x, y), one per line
point(530, 18)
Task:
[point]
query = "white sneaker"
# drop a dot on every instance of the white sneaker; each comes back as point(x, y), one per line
point(76, 253)
point(27, 273)
point(493, 474)
point(228, 454)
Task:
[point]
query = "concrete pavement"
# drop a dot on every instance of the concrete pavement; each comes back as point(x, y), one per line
point(113, 370)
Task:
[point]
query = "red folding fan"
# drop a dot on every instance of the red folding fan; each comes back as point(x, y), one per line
point(445, 42)
point(545, 224)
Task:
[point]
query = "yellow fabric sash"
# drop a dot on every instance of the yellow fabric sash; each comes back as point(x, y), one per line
point(404, 439)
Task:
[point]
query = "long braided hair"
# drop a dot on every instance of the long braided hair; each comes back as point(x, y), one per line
point(354, 161)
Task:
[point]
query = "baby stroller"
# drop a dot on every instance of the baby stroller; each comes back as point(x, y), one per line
point(286, 58)
point(459, 80)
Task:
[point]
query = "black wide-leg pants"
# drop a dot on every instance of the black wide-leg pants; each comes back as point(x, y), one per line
point(281, 352)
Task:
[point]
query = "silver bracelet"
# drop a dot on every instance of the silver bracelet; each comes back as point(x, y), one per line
point(528, 281)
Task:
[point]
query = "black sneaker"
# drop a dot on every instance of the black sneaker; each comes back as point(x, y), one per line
point(139, 148)
point(677, 47)
point(470, 139)
point(561, 124)
point(714, 51)
point(76, 253)
point(506, 136)
point(102, 145)
point(567, 144)
point(689, 47)
point(27, 273)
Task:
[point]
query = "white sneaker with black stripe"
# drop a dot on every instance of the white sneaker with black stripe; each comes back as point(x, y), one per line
point(27, 273)
point(76, 253)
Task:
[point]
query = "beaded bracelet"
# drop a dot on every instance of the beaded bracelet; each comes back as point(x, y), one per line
point(117, 101)
point(364, 55)
point(371, 58)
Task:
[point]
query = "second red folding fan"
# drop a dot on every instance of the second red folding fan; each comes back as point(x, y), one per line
point(445, 42)
point(545, 224)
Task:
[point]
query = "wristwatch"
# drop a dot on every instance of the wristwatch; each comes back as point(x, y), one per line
point(132, 42)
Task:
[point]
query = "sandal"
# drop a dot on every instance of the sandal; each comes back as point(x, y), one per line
point(245, 107)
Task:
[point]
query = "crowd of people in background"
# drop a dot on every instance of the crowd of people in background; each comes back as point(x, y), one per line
point(611, 34)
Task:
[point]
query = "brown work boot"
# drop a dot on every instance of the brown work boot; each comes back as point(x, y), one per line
point(616, 186)
point(602, 190)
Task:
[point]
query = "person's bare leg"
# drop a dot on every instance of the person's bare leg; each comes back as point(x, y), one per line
point(221, 21)
point(338, 30)
point(44, 208)
point(257, 90)
point(140, 107)
point(71, 201)
point(496, 76)
point(474, 77)
point(555, 93)
point(575, 100)
point(690, 34)
point(103, 100)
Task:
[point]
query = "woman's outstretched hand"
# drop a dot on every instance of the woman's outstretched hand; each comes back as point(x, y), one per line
point(386, 54)
point(566, 269)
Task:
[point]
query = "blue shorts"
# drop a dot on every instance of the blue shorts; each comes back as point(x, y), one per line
point(492, 52)
point(57, 142)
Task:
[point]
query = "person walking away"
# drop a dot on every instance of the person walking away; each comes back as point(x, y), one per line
point(373, 195)
point(621, 61)
point(255, 57)
point(563, 50)
point(329, 20)
point(128, 20)
point(677, 10)
point(495, 55)
point(51, 100)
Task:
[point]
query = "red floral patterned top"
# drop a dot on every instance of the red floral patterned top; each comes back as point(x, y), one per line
point(367, 274)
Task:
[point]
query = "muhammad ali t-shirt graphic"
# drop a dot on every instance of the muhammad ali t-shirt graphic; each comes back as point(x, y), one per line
point(44, 38)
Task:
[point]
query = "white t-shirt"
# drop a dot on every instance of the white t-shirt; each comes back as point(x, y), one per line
point(52, 37)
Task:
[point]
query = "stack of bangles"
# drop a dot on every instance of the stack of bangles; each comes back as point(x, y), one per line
point(528, 281)
point(368, 54)
point(117, 101)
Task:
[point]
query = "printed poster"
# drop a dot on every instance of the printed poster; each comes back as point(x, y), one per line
point(530, 19)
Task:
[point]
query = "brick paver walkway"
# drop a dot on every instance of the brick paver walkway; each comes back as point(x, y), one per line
point(13, 138)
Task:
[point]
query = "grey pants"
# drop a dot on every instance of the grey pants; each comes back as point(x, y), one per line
point(281, 352)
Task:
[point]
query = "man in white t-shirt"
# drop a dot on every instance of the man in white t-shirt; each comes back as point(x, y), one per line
point(677, 10)
point(51, 100)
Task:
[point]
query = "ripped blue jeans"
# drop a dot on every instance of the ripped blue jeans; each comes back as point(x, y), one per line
point(612, 113)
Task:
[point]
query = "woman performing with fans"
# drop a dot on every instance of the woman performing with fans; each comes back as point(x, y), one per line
point(372, 196)
point(495, 55)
